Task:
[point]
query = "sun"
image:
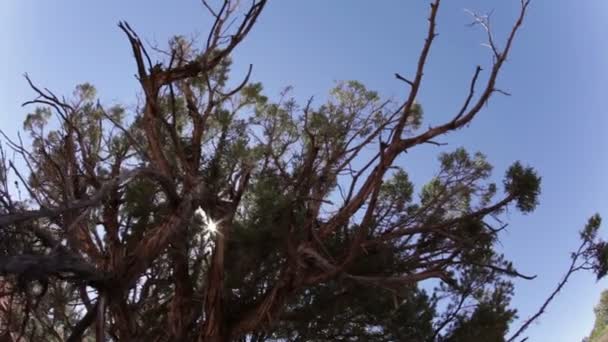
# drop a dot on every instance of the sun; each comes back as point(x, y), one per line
point(209, 225)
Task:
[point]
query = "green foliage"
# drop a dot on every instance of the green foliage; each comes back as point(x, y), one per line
point(600, 327)
point(350, 312)
point(523, 183)
point(488, 322)
point(398, 190)
point(589, 233)
point(38, 119)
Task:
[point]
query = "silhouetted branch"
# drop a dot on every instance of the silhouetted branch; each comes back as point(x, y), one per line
point(573, 268)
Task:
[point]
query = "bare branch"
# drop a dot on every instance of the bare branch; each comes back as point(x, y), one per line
point(574, 267)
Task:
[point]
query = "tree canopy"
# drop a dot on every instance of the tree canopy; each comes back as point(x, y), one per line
point(215, 212)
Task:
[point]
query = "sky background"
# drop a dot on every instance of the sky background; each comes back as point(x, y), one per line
point(555, 120)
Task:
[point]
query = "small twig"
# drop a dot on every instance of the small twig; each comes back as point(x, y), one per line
point(209, 8)
point(435, 143)
point(502, 92)
point(401, 78)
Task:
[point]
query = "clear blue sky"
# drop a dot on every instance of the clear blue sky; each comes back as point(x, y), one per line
point(555, 120)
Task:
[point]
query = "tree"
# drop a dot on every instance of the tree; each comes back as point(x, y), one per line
point(213, 213)
point(601, 319)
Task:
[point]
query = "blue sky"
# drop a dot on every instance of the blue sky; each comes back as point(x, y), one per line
point(555, 120)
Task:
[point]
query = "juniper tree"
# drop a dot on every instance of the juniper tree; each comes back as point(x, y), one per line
point(215, 213)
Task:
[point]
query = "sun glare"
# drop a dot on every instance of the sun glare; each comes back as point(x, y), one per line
point(209, 224)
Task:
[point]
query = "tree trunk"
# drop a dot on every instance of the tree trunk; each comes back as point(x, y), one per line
point(213, 328)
